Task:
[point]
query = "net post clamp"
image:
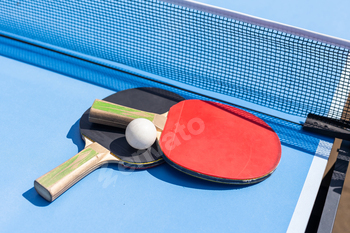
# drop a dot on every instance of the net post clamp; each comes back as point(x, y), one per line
point(327, 126)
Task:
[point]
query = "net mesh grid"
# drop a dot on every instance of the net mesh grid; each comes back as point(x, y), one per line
point(278, 70)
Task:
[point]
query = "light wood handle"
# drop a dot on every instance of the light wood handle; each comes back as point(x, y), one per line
point(57, 181)
point(106, 113)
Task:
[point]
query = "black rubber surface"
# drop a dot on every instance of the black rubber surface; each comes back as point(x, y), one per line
point(147, 99)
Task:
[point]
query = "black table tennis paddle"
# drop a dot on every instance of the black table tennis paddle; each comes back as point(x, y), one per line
point(105, 144)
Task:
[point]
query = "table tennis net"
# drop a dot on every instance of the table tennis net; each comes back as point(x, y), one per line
point(273, 68)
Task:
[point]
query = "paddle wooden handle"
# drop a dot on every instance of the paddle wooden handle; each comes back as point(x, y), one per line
point(57, 181)
point(106, 113)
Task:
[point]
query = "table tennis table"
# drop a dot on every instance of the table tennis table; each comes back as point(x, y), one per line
point(56, 59)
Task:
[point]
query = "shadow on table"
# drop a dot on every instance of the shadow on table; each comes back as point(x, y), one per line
point(169, 174)
point(74, 135)
point(33, 197)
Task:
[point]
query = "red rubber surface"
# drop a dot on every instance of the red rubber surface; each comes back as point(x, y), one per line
point(219, 141)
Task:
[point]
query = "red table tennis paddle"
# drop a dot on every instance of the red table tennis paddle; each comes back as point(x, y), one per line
point(205, 139)
point(105, 144)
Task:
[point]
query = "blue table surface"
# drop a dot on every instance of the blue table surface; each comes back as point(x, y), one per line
point(39, 117)
point(39, 130)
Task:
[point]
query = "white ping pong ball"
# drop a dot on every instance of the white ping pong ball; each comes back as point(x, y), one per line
point(141, 133)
